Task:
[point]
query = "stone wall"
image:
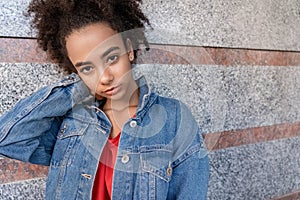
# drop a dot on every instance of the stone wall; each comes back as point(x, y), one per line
point(235, 63)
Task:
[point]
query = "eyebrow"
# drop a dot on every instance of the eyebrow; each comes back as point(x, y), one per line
point(78, 64)
point(82, 63)
point(109, 51)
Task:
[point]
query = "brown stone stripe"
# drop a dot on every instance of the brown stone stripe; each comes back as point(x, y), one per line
point(20, 50)
point(164, 54)
point(244, 57)
point(13, 170)
point(234, 138)
point(293, 196)
point(25, 50)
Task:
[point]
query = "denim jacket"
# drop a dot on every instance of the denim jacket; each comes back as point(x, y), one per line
point(161, 153)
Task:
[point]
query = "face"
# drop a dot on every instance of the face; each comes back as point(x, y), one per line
point(102, 60)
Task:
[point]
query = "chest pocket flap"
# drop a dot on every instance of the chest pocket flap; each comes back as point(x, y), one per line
point(72, 127)
point(157, 162)
point(68, 142)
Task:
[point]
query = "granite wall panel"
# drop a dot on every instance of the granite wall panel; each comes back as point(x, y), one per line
point(19, 80)
point(13, 22)
point(24, 190)
point(256, 24)
point(231, 98)
point(259, 171)
point(221, 98)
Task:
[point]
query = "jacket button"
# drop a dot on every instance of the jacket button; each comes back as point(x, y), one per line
point(71, 78)
point(87, 176)
point(125, 159)
point(62, 131)
point(133, 124)
point(169, 170)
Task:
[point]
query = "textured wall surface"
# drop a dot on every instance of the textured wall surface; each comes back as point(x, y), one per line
point(245, 98)
point(268, 24)
point(221, 98)
point(30, 189)
point(231, 98)
point(214, 93)
point(259, 171)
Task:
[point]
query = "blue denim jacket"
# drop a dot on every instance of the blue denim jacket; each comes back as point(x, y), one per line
point(161, 153)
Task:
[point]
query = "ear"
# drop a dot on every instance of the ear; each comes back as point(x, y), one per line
point(129, 49)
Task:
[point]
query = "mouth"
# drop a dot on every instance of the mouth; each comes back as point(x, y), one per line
point(112, 90)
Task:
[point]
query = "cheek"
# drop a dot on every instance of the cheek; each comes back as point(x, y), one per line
point(91, 84)
point(126, 74)
point(124, 70)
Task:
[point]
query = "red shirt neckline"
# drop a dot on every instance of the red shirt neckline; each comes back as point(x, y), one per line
point(102, 189)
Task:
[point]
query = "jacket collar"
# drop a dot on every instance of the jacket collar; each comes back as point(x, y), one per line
point(147, 97)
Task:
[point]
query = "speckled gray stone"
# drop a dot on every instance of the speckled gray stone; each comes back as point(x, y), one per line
point(20, 80)
point(268, 24)
point(225, 98)
point(221, 98)
point(13, 22)
point(24, 190)
point(259, 171)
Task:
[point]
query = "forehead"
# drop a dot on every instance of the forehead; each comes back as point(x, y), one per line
point(93, 38)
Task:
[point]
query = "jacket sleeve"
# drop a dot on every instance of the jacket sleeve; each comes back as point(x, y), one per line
point(190, 177)
point(190, 169)
point(28, 131)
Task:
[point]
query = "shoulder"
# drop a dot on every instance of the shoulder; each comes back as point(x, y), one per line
point(168, 101)
point(186, 132)
point(176, 105)
point(178, 113)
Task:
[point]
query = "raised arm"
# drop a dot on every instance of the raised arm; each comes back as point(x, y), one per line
point(28, 131)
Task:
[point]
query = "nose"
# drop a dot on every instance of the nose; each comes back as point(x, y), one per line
point(106, 77)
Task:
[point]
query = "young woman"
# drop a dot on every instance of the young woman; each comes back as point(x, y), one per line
point(104, 134)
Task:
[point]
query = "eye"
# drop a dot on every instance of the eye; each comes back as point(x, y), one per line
point(112, 59)
point(87, 69)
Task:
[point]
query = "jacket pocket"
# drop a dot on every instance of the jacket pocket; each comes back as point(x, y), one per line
point(68, 141)
point(156, 173)
point(158, 163)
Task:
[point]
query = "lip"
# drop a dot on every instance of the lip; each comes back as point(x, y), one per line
point(112, 90)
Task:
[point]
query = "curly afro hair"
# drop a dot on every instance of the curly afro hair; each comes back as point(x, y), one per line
point(54, 20)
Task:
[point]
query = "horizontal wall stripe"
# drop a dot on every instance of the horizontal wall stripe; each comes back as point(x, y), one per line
point(25, 50)
point(13, 170)
point(20, 50)
point(293, 196)
point(223, 56)
point(234, 138)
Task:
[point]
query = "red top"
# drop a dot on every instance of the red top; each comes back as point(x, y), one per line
point(102, 189)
